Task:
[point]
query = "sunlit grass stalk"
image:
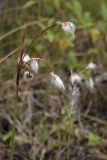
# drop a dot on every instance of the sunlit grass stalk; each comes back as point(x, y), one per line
point(12, 145)
point(32, 23)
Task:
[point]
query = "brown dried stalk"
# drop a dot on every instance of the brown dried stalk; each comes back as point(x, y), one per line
point(10, 54)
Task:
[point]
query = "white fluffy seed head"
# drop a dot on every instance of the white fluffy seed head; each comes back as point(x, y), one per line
point(67, 27)
point(26, 58)
point(56, 81)
point(34, 66)
point(75, 78)
point(90, 85)
point(28, 76)
point(91, 66)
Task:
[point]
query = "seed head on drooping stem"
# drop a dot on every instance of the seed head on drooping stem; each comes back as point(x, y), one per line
point(56, 81)
point(66, 26)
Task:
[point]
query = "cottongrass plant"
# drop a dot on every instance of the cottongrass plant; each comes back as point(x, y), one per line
point(29, 66)
point(80, 85)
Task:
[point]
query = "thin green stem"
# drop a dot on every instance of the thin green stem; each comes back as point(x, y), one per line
point(68, 145)
point(15, 112)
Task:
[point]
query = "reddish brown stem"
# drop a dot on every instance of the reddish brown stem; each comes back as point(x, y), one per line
point(37, 36)
point(20, 65)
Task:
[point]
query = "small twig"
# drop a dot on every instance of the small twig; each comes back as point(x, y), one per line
point(94, 119)
point(10, 54)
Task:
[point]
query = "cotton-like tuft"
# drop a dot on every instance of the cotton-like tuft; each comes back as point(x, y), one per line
point(56, 81)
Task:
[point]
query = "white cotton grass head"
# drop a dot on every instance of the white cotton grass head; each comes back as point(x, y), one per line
point(75, 78)
point(91, 66)
point(28, 76)
point(26, 58)
point(56, 81)
point(76, 101)
point(90, 85)
point(67, 27)
point(34, 66)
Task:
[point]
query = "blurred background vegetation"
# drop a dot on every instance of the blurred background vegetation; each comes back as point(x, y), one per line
point(44, 129)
